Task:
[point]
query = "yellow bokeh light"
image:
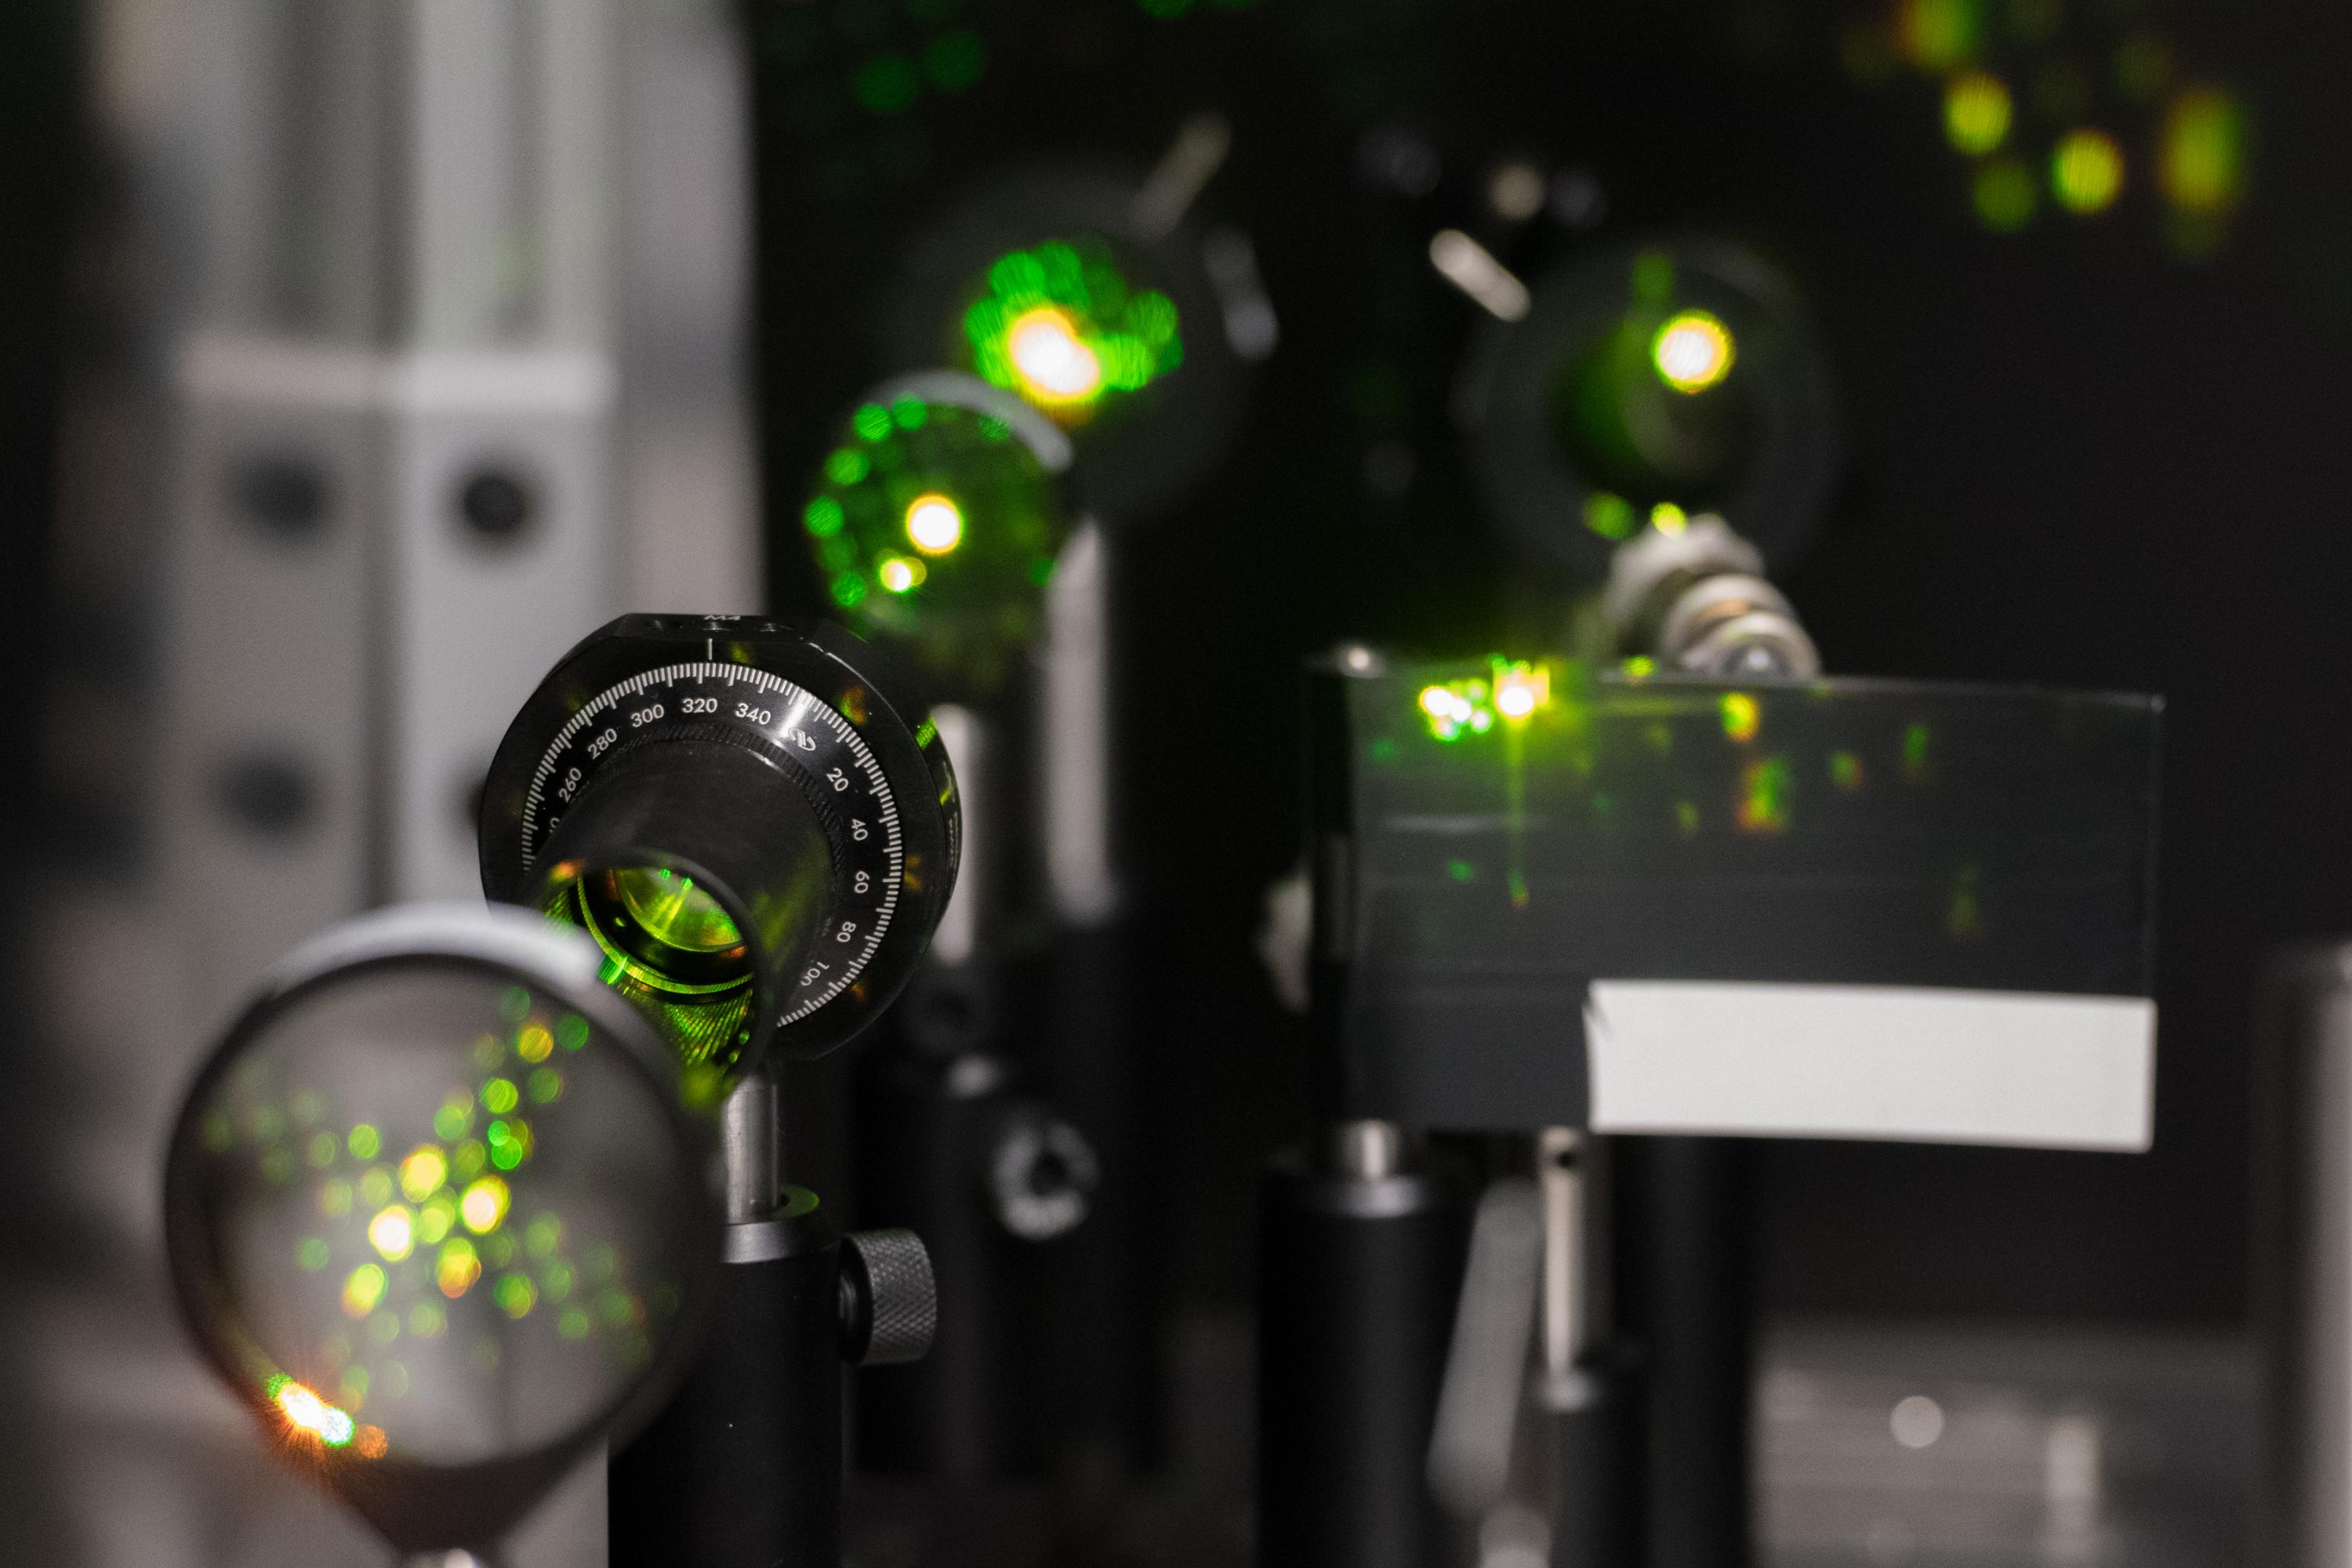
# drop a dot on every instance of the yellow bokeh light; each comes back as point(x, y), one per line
point(1692, 352)
point(1741, 717)
point(363, 1291)
point(1668, 518)
point(422, 1173)
point(934, 523)
point(2086, 172)
point(1977, 112)
point(393, 1234)
point(483, 1206)
point(457, 1267)
point(899, 573)
point(2204, 163)
point(1053, 363)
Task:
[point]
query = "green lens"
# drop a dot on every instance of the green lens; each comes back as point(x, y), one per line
point(674, 912)
point(672, 951)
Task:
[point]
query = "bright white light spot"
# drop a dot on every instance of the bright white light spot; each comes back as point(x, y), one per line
point(1052, 361)
point(1917, 1421)
point(899, 573)
point(1692, 351)
point(391, 1233)
point(935, 524)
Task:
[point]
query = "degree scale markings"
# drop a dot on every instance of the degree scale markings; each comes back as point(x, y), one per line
point(795, 708)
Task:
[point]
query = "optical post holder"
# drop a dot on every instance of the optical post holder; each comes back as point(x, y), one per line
point(760, 843)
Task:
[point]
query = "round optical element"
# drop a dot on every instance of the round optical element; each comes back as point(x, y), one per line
point(441, 1357)
point(937, 519)
point(934, 523)
point(674, 912)
point(1051, 363)
point(1692, 352)
point(670, 949)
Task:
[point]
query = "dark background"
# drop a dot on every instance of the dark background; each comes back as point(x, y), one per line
point(2075, 456)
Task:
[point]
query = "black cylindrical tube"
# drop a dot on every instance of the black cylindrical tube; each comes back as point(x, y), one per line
point(1358, 1281)
point(1596, 1456)
point(743, 1467)
point(1690, 1259)
point(969, 1412)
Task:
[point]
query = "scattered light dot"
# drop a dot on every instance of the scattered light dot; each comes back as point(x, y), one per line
point(371, 1443)
point(1936, 33)
point(498, 1096)
point(312, 1254)
point(1610, 515)
point(335, 1199)
point(1741, 717)
point(899, 573)
point(848, 589)
point(427, 1320)
point(365, 1143)
point(509, 1143)
point(571, 1032)
point(823, 517)
point(456, 1117)
point(323, 1148)
point(363, 1289)
point(1668, 518)
point(935, 524)
point(375, 1188)
point(514, 1003)
point(2202, 164)
point(434, 1220)
point(467, 1162)
point(1915, 739)
point(1520, 689)
point(311, 1414)
point(457, 1267)
point(542, 1234)
point(483, 1205)
point(422, 1173)
point(1917, 1421)
point(1764, 797)
point(1054, 365)
point(574, 1323)
point(1977, 112)
point(1692, 351)
point(1640, 666)
point(393, 1234)
point(546, 1086)
point(534, 1044)
point(516, 1294)
point(2086, 172)
point(1516, 191)
point(2004, 195)
point(1846, 770)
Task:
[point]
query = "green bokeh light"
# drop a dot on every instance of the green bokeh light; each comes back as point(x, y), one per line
point(1061, 326)
point(672, 951)
point(2004, 195)
point(2086, 172)
point(1977, 112)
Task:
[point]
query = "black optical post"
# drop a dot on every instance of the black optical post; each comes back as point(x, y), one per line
point(761, 846)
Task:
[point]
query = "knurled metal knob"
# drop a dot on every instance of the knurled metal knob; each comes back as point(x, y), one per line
point(889, 1298)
